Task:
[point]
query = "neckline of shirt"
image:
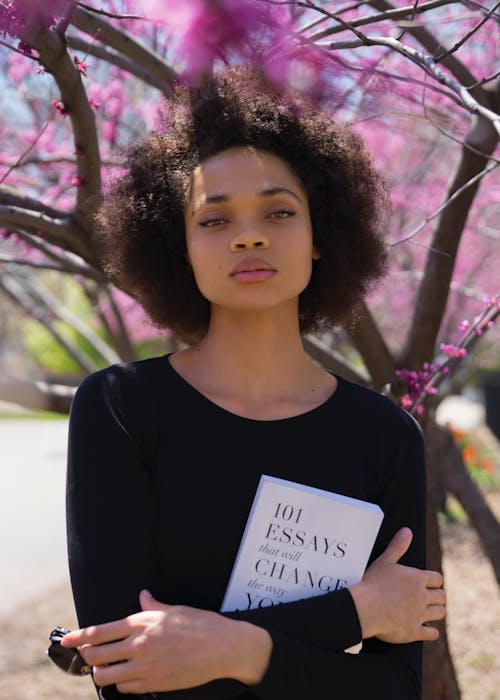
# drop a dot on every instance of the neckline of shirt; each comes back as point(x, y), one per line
point(332, 399)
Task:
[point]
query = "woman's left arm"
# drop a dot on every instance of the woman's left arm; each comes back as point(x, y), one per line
point(96, 510)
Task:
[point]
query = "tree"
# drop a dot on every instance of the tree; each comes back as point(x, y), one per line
point(417, 79)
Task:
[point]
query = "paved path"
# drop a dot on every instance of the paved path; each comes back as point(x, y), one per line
point(32, 508)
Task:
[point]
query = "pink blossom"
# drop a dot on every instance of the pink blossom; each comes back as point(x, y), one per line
point(406, 402)
point(94, 104)
point(464, 327)
point(78, 180)
point(80, 65)
point(60, 106)
point(302, 67)
point(209, 30)
point(41, 10)
point(452, 350)
point(19, 68)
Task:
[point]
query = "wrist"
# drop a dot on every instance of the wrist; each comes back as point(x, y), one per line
point(251, 653)
point(365, 605)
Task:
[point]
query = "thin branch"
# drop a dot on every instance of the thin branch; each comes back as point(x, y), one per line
point(88, 23)
point(433, 46)
point(73, 320)
point(10, 259)
point(369, 342)
point(333, 361)
point(427, 64)
point(484, 80)
point(470, 339)
point(11, 288)
point(39, 160)
point(467, 36)
point(115, 58)
point(70, 261)
point(108, 14)
point(455, 195)
point(29, 148)
point(385, 16)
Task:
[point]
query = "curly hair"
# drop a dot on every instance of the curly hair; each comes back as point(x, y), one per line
point(140, 221)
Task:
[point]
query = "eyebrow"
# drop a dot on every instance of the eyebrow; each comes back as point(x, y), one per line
point(271, 192)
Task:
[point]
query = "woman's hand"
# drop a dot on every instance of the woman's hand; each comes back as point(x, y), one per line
point(171, 647)
point(394, 602)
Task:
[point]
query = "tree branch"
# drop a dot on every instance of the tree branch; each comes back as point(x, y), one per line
point(71, 319)
point(370, 344)
point(393, 15)
point(11, 196)
point(433, 46)
point(457, 481)
point(60, 230)
point(56, 60)
point(434, 290)
point(11, 288)
point(117, 59)
point(70, 262)
point(95, 26)
point(333, 361)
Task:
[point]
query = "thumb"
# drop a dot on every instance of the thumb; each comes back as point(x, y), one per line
point(397, 546)
point(149, 603)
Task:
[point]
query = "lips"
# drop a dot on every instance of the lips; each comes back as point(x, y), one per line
point(252, 265)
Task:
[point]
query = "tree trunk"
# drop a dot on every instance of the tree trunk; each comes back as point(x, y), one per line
point(455, 479)
point(440, 681)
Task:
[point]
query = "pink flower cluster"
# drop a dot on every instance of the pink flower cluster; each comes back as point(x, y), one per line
point(255, 31)
point(16, 15)
point(417, 383)
point(452, 350)
point(210, 30)
point(42, 11)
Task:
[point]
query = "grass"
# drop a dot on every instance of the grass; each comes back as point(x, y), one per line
point(35, 415)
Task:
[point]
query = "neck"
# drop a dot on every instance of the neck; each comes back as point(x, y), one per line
point(258, 355)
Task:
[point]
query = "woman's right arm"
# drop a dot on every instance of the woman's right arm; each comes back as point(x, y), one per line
point(111, 512)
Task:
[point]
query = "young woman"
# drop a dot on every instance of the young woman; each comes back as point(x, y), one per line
point(248, 221)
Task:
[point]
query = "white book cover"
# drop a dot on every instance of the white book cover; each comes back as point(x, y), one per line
point(300, 541)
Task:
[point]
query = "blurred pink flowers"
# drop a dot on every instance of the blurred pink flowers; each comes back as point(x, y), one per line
point(16, 14)
point(218, 29)
point(244, 30)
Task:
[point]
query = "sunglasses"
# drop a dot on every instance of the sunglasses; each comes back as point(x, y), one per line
point(68, 660)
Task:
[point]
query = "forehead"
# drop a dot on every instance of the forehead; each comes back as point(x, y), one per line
point(241, 169)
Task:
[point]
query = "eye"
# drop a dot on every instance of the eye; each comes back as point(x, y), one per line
point(208, 223)
point(281, 214)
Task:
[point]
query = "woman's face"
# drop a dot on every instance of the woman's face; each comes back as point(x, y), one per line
point(248, 230)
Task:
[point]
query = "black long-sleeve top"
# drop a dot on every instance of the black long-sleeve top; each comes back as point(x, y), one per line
point(159, 486)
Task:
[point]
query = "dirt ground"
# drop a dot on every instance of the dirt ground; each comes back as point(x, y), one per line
point(473, 629)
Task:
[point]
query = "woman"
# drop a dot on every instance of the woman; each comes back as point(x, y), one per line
point(250, 220)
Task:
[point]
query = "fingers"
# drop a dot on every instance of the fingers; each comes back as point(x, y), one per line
point(397, 546)
point(434, 579)
point(148, 602)
point(104, 653)
point(435, 612)
point(428, 633)
point(97, 634)
point(117, 673)
point(436, 596)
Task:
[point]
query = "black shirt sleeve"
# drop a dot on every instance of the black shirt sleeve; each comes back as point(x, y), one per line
point(111, 512)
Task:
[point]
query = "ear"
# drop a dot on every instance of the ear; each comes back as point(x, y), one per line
point(316, 255)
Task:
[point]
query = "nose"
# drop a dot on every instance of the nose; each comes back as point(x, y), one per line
point(248, 240)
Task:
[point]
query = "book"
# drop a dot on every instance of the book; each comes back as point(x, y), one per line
point(300, 541)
